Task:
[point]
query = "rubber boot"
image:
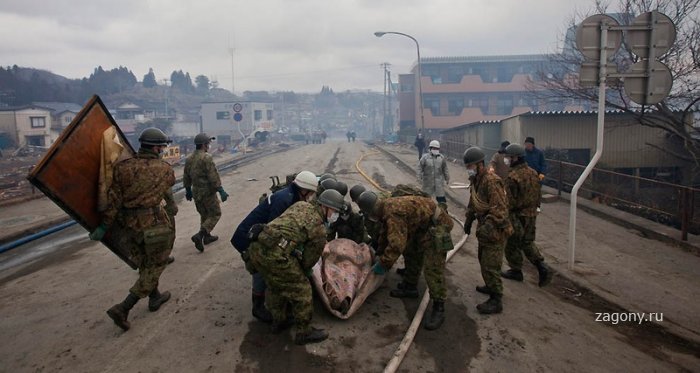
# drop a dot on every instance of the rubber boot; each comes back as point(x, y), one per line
point(156, 299)
point(513, 274)
point(437, 316)
point(545, 273)
point(312, 336)
point(198, 240)
point(120, 312)
point(404, 290)
point(208, 238)
point(259, 311)
point(492, 305)
point(483, 289)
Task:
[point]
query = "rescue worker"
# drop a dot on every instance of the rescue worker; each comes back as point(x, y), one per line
point(523, 190)
point(433, 173)
point(301, 189)
point(419, 144)
point(488, 205)
point(284, 251)
point(355, 191)
point(420, 222)
point(497, 165)
point(135, 213)
point(202, 182)
point(534, 157)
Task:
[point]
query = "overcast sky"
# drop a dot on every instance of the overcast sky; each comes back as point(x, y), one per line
point(297, 45)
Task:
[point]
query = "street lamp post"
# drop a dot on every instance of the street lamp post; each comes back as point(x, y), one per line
point(379, 34)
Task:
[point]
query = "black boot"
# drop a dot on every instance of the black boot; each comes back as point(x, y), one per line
point(492, 305)
point(545, 273)
point(208, 238)
point(437, 317)
point(120, 312)
point(404, 290)
point(513, 274)
point(198, 240)
point(259, 311)
point(312, 336)
point(156, 299)
point(484, 289)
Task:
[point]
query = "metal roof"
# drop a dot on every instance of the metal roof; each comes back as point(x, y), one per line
point(488, 59)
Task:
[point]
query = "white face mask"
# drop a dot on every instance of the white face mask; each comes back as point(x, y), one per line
point(506, 161)
point(434, 151)
point(471, 172)
point(334, 217)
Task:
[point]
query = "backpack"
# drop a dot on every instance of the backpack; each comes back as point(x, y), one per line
point(408, 190)
point(277, 185)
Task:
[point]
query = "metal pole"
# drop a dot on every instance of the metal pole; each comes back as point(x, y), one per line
point(599, 142)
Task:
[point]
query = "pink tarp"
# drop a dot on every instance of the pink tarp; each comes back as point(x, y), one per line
point(343, 276)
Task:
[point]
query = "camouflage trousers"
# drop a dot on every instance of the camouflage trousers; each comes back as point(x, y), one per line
point(150, 259)
point(522, 241)
point(209, 211)
point(490, 260)
point(287, 285)
point(423, 255)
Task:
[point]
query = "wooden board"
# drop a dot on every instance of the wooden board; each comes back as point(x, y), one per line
point(69, 172)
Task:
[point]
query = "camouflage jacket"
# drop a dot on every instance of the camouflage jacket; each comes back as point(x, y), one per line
point(201, 174)
point(523, 188)
point(488, 205)
point(301, 228)
point(138, 191)
point(402, 218)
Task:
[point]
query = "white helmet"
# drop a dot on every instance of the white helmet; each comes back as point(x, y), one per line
point(306, 180)
point(434, 144)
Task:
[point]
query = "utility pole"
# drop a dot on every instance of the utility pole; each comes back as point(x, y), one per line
point(390, 111)
point(385, 117)
point(233, 85)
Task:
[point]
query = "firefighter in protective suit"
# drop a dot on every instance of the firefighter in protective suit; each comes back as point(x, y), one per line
point(138, 215)
point(201, 181)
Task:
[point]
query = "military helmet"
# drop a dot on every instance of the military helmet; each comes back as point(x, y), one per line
point(367, 200)
point(203, 138)
point(515, 150)
point(306, 180)
point(333, 199)
point(473, 155)
point(325, 176)
point(355, 191)
point(327, 184)
point(154, 136)
point(341, 187)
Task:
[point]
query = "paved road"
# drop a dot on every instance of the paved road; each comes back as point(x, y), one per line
point(53, 307)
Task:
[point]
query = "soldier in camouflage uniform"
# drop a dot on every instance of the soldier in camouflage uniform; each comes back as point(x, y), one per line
point(523, 189)
point(419, 221)
point(351, 225)
point(488, 205)
point(135, 212)
point(202, 181)
point(284, 251)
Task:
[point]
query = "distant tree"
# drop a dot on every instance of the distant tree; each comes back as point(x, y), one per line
point(683, 60)
point(181, 81)
point(149, 80)
point(202, 84)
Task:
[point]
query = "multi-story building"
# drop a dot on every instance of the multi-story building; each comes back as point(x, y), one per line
point(462, 90)
point(27, 125)
point(62, 114)
point(220, 119)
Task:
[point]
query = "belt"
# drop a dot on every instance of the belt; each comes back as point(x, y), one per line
point(140, 211)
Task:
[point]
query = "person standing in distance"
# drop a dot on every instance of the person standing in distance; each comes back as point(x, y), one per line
point(433, 173)
point(202, 182)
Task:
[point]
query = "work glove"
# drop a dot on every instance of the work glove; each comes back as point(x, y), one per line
point(378, 269)
point(223, 194)
point(245, 255)
point(468, 227)
point(541, 176)
point(188, 194)
point(98, 233)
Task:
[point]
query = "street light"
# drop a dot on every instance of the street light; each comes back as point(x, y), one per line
point(379, 34)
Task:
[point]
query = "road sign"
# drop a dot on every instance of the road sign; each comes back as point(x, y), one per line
point(588, 36)
point(237, 107)
point(659, 34)
point(588, 74)
point(652, 89)
point(237, 117)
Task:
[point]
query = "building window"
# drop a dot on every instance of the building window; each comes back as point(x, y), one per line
point(38, 122)
point(269, 115)
point(505, 105)
point(258, 114)
point(35, 140)
point(223, 115)
point(455, 105)
point(433, 104)
point(67, 119)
